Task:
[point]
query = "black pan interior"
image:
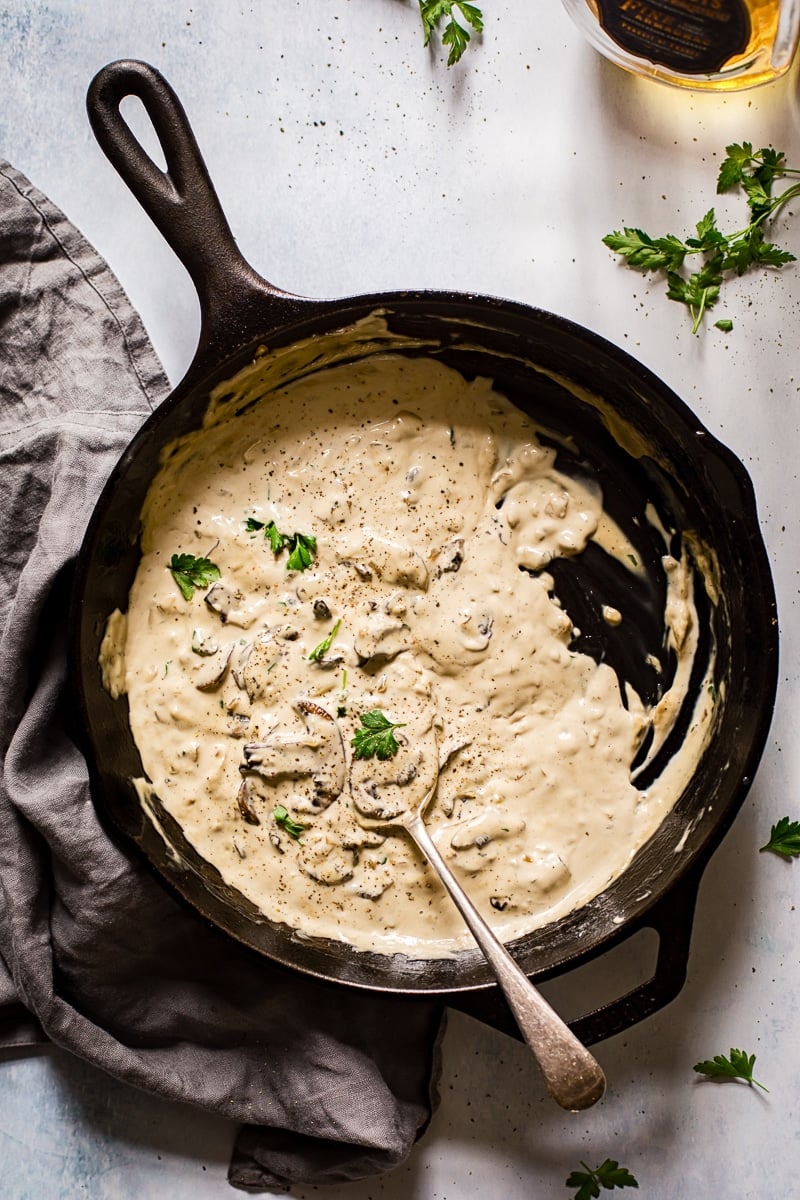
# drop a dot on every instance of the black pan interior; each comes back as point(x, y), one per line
point(646, 447)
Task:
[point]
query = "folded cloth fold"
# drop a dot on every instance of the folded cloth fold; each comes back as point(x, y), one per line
point(95, 955)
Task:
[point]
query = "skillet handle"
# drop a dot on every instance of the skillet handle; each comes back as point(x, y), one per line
point(236, 303)
point(672, 920)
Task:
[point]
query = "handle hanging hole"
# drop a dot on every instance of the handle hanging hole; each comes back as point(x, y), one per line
point(135, 116)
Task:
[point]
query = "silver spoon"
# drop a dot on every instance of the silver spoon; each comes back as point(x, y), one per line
point(573, 1076)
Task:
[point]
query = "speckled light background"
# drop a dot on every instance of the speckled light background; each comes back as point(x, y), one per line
point(349, 159)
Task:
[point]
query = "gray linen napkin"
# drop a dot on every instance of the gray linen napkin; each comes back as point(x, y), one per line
point(95, 955)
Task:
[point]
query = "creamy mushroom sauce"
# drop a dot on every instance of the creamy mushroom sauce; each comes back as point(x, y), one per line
point(436, 507)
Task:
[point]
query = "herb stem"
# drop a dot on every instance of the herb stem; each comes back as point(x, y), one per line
point(720, 254)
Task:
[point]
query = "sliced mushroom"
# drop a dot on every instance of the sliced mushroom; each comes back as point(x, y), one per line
point(213, 670)
point(322, 858)
point(374, 877)
point(255, 667)
point(451, 557)
point(237, 725)
point(407, 775)
point(220, 600)
point(487, 826)
point(477, 631)
point(203, 644)
point(450, 749)
point(314, 756)
point(381, 637)
point(379, 802)
point(390, 561)
point(243, 801)
point(240, 662)
point(355, 837)
point(227, 605)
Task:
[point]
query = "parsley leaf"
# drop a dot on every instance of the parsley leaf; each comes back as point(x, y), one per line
point(302, 547)
point(784, 838)
point(322, 649)
point(609, 1175)
point(282, 818)
point(454, 35)
point(754, 172)
point(708, 235)
point(376, 737)
point(739, 158)
point(276, 540)
point(646, 253)
point(769, 255)
point(738, 1066)
point(700, 291)
point(190, 573)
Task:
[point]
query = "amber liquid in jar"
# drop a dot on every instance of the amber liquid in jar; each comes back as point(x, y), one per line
point(719, 45)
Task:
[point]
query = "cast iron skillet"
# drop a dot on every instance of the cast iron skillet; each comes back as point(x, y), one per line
point(641, 440)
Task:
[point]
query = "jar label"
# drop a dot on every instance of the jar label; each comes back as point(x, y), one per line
point(696, 37)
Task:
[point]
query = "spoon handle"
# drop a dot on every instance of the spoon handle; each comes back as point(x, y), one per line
point(573, 1076)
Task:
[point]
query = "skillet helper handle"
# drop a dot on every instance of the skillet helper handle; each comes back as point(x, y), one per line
point(573, 1077)
point(183, 204)
point(672, 920)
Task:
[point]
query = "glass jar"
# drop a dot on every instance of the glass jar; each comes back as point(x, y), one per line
point(705, 45)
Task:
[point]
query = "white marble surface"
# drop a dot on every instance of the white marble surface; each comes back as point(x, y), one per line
point(349, 159)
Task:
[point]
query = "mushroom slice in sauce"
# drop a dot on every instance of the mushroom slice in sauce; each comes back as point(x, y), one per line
point(203, 644)
point(379, 802)
point(450, 749)
point(375, 876)
point(381, 637)
point(382, 791)
point(323, 859)
point(228, 606)
point(476, 843)
point(477, 630)
point(239, 663)
point(257, 665)
point(391, 561)
point(213, 670)
point(451, 557)
point(220, 600)
point(314, 756)
point(243, 801)
point(486, 826)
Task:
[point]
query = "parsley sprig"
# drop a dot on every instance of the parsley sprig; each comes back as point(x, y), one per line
point(738, 1066)
point(454, 35)
point(608, 1175)
point(190, 573)
point(784, 838)
point(302, 547)
point(375, 738)
point(319, 652)
point(755, 172)
point(282, 818)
